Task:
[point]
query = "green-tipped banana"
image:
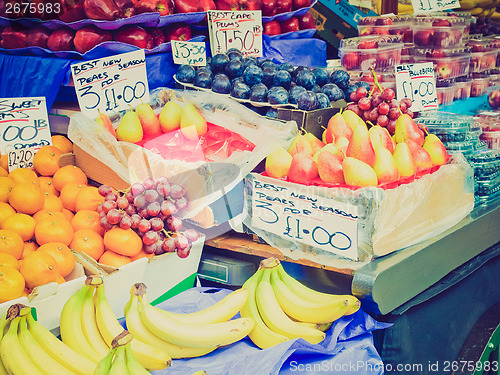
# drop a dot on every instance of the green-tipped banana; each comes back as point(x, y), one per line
point(276, 319)
point(119, 365)
point(353, 304)
point(133, 365)
point(105, 364)
point(302, 309)
point(89, 323)
point(260, 335)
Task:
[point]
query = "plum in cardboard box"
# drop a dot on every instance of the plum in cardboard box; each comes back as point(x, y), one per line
point(346, 228)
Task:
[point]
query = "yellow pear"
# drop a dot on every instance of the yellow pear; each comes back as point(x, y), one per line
point(149, 122)
point(436, 149)
point(385, 167)
point(193, 124)
point(358, 173)
point(170, 116)
point(404, 160)
point(300, 144)
point(278, 163)
point(130, 128)
point(352, 119)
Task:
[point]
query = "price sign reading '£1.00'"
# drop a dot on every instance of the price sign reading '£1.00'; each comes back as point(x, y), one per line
point(306, 218)
point(190, 53)
point(235, 29)
point(418, 83)
point(111, 84)
point(428, 6)
point(24, 124)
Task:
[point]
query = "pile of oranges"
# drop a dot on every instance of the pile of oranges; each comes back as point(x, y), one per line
point(45, 212)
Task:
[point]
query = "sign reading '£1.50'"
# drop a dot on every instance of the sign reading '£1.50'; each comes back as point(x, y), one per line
point(235, 29)
point(111, 84)
point(418, 83)
point(319, 222)
point(24, 123)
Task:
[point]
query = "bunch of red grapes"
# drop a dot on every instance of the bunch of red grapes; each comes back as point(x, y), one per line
point(379, 108)
point(150, 208)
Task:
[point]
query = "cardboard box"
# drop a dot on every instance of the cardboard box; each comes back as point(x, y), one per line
point(49, 299)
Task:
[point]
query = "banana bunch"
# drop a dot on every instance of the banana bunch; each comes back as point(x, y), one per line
point(26, 347)
point(88, 325)
point(120, 359)
point(187, 335)
point(485, 8)
point(284, 309)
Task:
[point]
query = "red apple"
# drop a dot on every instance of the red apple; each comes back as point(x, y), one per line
point(494, 99)
point(38, 37)
point(283, 6)
point(188, 6)
point(127, 8)
point(350, 60)
point(157, 35)
point(381, 31)
point(61, 40)
point(441, 22)
point(444, 69)
point(307, 21)
point(101, 10)
point(268, 8)
point(289, 25)
point(178, 31)
point(250, 4)
point(13, 37)
point(227, 4)
point(367, 31)
point(422, 37)
point(72, 11)
point(164, 7)
point(383, 21)
point(272, 28)
point(368, 44)
point(298, 4)
point(207, 5)
point(134, 35)
point(90, 36)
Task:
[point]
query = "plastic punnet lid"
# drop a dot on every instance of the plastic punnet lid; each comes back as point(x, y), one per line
point(466, 147)
point(383, 20)
point(380, 40)
point(437, 53)
point(440, 119)
point(485, 156)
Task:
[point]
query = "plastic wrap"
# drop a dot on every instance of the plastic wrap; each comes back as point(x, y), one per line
point(388, 219)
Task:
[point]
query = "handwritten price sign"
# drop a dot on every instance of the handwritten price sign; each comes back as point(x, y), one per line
point(427, 6)
point(235, 29)
point(319, 222)
point(21, 158)
point(190, 53)
point(417, 82)
point(111, 84)
point(24, 123)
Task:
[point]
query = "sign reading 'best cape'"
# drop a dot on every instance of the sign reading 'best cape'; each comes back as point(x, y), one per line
point(299, 216)
point(111, 84)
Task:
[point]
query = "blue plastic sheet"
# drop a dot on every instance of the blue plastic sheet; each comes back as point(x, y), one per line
point(305, 51)
point(347, 349)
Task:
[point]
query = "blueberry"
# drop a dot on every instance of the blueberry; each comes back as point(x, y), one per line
point(234, 68)
point(282, 78)
point(219, 62)
point(221, 84)
point(307, 101)
point(258, 93)
point(277, 95)
point(321, 75)
point(240, 90)
point(252, 75)
point(294, 93)
point(202, 79)
point(323, 100)
point(305, 79)
point(333, 92)
point(341, 78)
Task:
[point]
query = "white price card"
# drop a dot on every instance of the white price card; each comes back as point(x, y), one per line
point(21, 158)
point(190, 53)
point(24, 123)
point(235, 29)
point(299, 216)
point(111, 84)
point(428, 6)
point(418, 83)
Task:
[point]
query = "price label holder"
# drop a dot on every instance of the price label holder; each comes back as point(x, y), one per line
point(24, 123)
point(306, 218)
point(21, 158)
point(190, 53)
point(417, 82)
point(111, 84)
point(235, 29)
point(428, 6)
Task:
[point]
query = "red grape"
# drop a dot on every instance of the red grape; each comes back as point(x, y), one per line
point(122, 203)
point(181, 242)
point(111, 197)
point(407, 101)
point(102, 214)
point(129, 196)
point(361, 92)
point(105, 223)
point(402, 107)
point(143, 212)
point(149, 238)
point(153, 209)
point(373, 114)
point(174, 223)
point(353, 96)
point(364, 104)
point(168, 245)
point(376, 101)
point(151, 195)
point(114, 216)
point(388, 94)
point(383, 108)
point(136, 219)
point(391, 126)
point(181, 203)
point(137, 189)
point(382, 120)
point(149, 183)
point(99, 208)
point(163, 189)
point(162, 179)
point(184, 253)
point(108, 206)
point(176, 191)
point(355, 108)
point(150, 249)
point(126, 222)
point(156, 224)
point(394, 113)
point(130, 210)
point(393, 103)
point(140, 201)
point(168, 208)
point(144, 225)
point(409, 112)
point(104, 190)
point(191, 235)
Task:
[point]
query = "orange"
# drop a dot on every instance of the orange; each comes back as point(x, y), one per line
point(46, 160)
point(23, 175)
point(62, 143)
point(6, 210)
point(60, 280)
point(8, 260)
point(68, 195)
point(110, 258)
point(22, 224)
point(63, 256)
point(39, 268)
point(29, 247)
point(11, 243)
point(47, 185)
point(6, 185)
point(3, 172)
point(89, 242)
point(11, 284)
point(87, 219)
point(68, 214)
point(52, 203)
point(67, 174)
point(4, 162)
point(123, 241)
point(88, 198)
point(53, 230)
point(26, 198)
point(44, 214)
point(142, 254)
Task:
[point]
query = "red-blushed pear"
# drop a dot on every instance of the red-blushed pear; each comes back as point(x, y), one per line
point(352, 119)
point(336, 128)
point(407, 129)
point(385, 167)
point(105, 122)
point(404, 160)
point(300, 145)
point(315, 143)
point(303, 168)
point(193, 124)
point(330, 148)
point(342, 144)
point(278, 163)
point(436, 149)
point(149, 120)
point(330, 167)
point(380, 137)
point(360, 146)
point(358, 173)
point(422, 158)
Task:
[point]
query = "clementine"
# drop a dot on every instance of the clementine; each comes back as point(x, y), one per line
point(29, 247)
point(87, 219)
point(68, 195)
point(3, 172)
point(67, 174)
point(46, 160)
point(52, 203)
point(11, 243)
point(112, 259)
point(62, 143)
point(22, 224)
point(6, 210)
point(11, 284)
point(123, 241)
point(4, 162)
point(26, 198)
point(39, 268)
point(68, 214)
point(142, 254)
point(89, 242)
point(8, 260)
point(24, 175)
point(63, 256)
point(47, 185)
point(53, 230)
point(88, 198)
point(44, 214)
point(6, 185)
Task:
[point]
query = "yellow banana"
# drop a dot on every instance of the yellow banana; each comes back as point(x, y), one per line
point(302, 309)
point(46, 364)
point(405, 8)
point(276, 319)
point(133, 365)
point(312, 295)
point(105, 364)
point(14, 356)
point(150, 357)
point(71, 326)
point(468, 4)
point(325, 326)
point(119, 365)
point(260, 335)
point(195, 336)
point(476, 11)
point(202, 372)
point(3, 324)
point(89, 324)
point(62, 353)
point(495, 16)
point(137, 328)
